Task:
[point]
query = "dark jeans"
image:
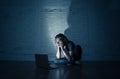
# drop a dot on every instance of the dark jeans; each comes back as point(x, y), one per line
point(64, 61)
point(61, 61)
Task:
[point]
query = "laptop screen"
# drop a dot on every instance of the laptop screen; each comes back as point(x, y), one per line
point(41, 60)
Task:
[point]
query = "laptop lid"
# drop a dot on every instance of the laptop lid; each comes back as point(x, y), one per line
point(41, 60)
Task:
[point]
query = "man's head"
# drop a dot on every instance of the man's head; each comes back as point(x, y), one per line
point(60, 39)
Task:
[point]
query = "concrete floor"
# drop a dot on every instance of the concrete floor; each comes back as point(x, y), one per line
point(87, 70)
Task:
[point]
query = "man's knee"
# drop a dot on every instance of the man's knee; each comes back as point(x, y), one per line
point(78, 54)
point(61, 61)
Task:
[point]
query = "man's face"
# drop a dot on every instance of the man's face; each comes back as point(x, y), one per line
point(59, 41)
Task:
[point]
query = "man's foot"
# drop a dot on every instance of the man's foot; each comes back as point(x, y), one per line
point(69, 64)
point(77, 62)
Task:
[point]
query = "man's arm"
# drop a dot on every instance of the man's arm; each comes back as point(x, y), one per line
point(68, 53)
point(58, 54)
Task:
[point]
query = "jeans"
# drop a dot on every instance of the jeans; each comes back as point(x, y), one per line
point(61, 61)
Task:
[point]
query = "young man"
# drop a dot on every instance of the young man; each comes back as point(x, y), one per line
point(65, 49)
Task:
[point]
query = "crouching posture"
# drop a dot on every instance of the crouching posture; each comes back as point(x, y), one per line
point(66, 49)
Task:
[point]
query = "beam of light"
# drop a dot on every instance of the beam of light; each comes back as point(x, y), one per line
point(56, 19)
point(56, 24)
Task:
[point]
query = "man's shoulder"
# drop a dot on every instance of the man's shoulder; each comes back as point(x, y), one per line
point(71, 43)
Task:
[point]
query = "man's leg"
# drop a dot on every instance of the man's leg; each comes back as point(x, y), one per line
point(61, 61)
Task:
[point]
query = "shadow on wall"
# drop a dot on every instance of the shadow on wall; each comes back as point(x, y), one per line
point(77, 21)
point(94, 25)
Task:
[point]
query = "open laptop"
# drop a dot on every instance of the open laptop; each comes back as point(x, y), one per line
point(42, 61)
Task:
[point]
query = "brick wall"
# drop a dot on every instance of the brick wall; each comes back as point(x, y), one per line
point(28, 27)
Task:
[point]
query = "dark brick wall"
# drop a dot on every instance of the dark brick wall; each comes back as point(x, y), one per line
point(29, 26)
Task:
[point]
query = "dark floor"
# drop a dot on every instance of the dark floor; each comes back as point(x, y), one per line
point(87, 70)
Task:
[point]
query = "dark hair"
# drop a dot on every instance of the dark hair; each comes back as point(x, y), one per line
point(60, 35)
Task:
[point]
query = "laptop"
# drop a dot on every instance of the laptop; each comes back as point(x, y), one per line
point(42, 61)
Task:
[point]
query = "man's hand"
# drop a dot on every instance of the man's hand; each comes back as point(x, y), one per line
point(60, 44)
point(58, 54)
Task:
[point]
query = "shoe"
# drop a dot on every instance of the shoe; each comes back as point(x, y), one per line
point(69, 64)
point(77, 62)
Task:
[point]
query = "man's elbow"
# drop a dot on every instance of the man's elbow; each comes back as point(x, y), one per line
point(57, 56)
